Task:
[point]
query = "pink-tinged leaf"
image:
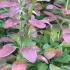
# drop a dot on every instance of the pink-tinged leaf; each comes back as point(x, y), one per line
point(5, 67)
point(49, 55)
point(13, 0)
point(29, 53)
point(66, 31)
point(66, 35)
point(59, 6)
point(38, 6)
point(42, 58)
point(49, 14)
point(44, 0)
point(10, 23)
point(47, 0)
point(7, 4)
point(51, 52)
point(12, 12)
point(47, 21)
point(58, 52)
point(66, 38)
point(50, 19)
point(66, 12)
point(19, 66)
point(7, 50)
point(37, 23)
point(5, 39)
point(4, 15)
point(51, 6)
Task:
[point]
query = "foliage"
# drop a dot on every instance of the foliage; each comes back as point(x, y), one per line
point(34, 34)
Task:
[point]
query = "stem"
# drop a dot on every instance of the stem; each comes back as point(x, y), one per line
point(31, 10)
point(21, 5)
point(28, 15)
point(24, 13)
point(67, 8)
point(67, 4)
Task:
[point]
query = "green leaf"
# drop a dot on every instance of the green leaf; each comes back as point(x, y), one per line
point(1, 23)
point(60, 2)
point(16, 38)
point(46, 46)
point(65, 45)
point(55, 34)
point(65, 58)
point(42, 66)
point(40, 17)
point(28, 42)
point(53, 67)
point(3, 10)
point(56, 12)
point(32, 68)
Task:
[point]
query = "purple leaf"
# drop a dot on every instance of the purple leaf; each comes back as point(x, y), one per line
point(29, 54)
point(66, 12)
point(44, 0)
point(7, 4)
point(49, 14)
point(66, 38)
point(66, 35)
point(13, 0)
point(6, 50)
point(50, 19)
point(5, 39)
point(38, 6)
point(37, 23)
point(66, 31)
point(51, 6)
point(12, 12)
point(10, 23)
